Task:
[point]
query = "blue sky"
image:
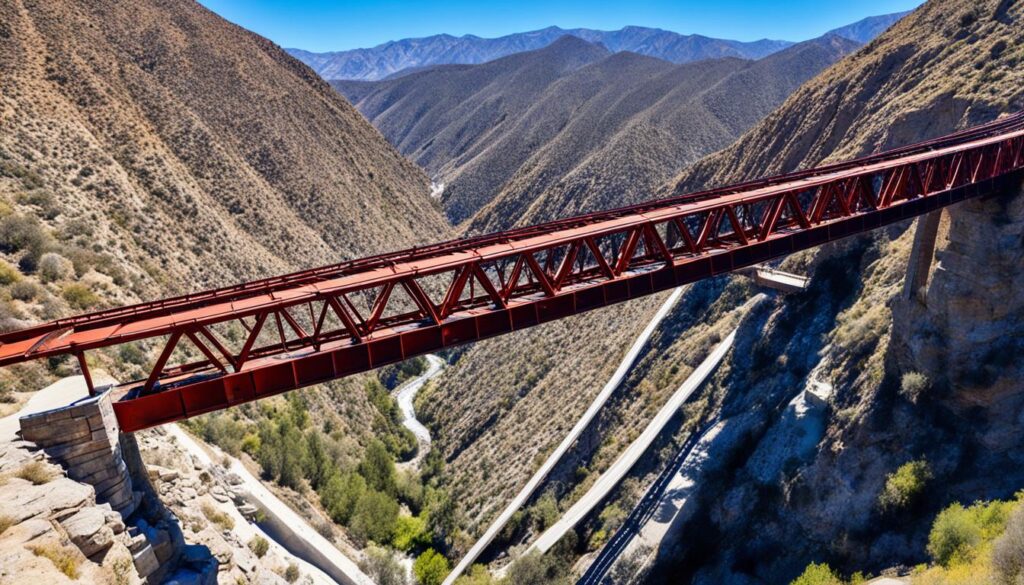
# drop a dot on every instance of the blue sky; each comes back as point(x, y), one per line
point(323, 25)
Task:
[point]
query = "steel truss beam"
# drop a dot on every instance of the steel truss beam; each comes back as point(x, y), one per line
point(309, 327)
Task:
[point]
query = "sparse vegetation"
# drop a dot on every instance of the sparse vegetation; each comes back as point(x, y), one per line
point(430, 568)
point(6, 522)
point(904, 486)
point(36, 472)
point(291, 574)
point(66, 559)
point(221, 519)
point(913, 385)
point(382, 566)
point(259, 546)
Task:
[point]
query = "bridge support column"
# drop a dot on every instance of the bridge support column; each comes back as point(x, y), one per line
point(920, 263)
point(84, 438)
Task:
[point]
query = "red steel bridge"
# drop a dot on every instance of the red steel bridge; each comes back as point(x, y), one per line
point(270, 336)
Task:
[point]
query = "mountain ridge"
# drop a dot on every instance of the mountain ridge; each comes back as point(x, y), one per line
point(393, 57)
point(573, 127)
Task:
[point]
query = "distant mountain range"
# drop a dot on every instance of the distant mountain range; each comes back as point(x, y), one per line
point(393, 57)
point(573, 126)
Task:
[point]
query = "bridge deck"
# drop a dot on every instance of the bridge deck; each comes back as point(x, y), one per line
point(328, 322)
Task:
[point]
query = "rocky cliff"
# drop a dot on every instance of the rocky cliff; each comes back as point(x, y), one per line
point(948, 65)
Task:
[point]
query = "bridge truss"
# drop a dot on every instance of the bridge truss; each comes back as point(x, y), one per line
point(270, 336)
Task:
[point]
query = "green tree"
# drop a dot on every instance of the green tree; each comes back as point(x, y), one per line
point(410, 532)
point(320, 467)
point(545, 512)
point(340, 495)
point(818, 574)
point(378, 468)
point(431, 568)
point(375, 517)
point(440, 515)
point(954, 533)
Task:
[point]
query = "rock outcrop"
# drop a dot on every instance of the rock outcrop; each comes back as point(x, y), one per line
point(960, 332)
point(53, 529)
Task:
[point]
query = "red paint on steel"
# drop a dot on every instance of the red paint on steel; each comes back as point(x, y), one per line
point(428, 298)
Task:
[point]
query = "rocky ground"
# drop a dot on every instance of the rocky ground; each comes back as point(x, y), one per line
point(52, 530)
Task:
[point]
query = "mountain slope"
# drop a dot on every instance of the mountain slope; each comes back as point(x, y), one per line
point(627, 139)
point(383, 60)
point(570, 127)
point(451, 117)
point(951, 64)
point(217, 155)
point(864, 31)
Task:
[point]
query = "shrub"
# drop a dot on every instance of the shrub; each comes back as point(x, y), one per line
point(259, 546)
point(22, 232)
point(54, 267)
point(375, 517)
point(291, 574)
point(217, 517)
point(37, 472)
point(380, 565)
point(818, 574)
point(477, 575)
point(903, 486)
point(1008, 554)
point(8, 274)
point(80, 296)
point(410, 532)
point(63, 558)
point(537, 568)
point(913, 385)
point(431, 568)
point(25, 290)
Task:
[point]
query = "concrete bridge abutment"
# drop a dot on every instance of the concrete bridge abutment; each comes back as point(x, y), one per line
point(84, 437)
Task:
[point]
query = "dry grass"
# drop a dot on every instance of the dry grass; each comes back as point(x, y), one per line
point(36, 472)
point(6, 522)
point(218, 517)
point(66, 559)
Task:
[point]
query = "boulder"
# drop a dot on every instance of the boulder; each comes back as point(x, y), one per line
point(88, 530)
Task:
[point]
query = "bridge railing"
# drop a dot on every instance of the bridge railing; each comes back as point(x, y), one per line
point(275, 335)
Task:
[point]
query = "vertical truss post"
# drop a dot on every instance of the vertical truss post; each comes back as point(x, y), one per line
point(84, 366)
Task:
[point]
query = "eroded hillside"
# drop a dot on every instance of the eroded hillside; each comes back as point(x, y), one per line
point(153, 148)
point(949, 65)
point(572, 128)
point(924, 378)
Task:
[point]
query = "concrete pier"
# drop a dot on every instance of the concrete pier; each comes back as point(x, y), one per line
point(920, 263)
